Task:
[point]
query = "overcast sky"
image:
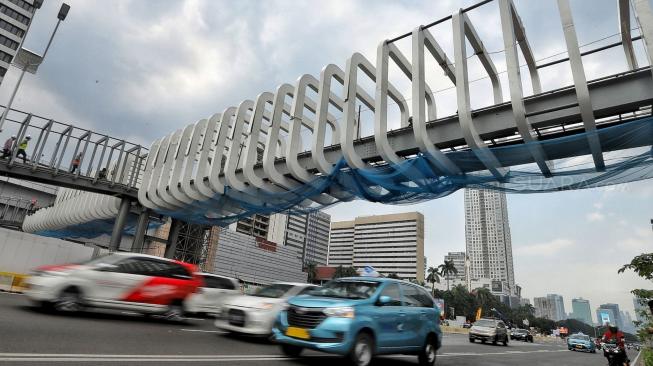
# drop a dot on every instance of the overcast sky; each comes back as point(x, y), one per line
point(144, 68)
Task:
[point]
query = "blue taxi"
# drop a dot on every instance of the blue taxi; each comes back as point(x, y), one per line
point(362, 317)
point(580, 342)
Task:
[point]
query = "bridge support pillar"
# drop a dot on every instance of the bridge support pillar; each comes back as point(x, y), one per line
point(173, 235)
point(119, 225)
point(141, 229)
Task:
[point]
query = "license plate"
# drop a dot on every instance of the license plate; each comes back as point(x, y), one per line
point(295, 332)
point(579, 346)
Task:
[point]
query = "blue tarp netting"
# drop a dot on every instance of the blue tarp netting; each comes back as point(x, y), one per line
point(627, 153)
point(415, 180)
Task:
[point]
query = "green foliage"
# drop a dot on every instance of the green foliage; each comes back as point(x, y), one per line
point(311, 271)
point(432, 277)
point(447, 269)
point(345, 272)
point(642, 265)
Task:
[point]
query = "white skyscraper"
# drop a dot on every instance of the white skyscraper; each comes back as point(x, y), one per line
point(487, 235)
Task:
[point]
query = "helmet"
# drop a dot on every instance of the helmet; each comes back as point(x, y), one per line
point(13, 137)
point(613, 329)
point(29, 137)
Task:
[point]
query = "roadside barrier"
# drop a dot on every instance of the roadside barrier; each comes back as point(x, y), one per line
point(12, 282)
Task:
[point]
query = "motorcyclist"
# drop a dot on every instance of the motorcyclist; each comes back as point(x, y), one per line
point(614, 335)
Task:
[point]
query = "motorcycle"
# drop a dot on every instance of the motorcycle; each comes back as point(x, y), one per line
point(615, 354)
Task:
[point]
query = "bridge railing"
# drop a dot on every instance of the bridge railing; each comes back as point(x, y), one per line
point(44, 144)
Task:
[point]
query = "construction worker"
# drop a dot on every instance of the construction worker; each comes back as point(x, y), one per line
point(76, 161)
point(8, 147)
point(22, 148)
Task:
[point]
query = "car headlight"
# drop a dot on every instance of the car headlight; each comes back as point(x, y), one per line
point(266, 306)
point(340, 312)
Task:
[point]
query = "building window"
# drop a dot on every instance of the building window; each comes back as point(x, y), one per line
point(11, 28)
point(5, 57)
point(10, 43)
point(3, 71)
point(14, 14)
point(24, 4)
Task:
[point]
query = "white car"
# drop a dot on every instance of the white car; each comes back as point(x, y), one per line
point(255, 314)
point(124, 281)
point(212, 294)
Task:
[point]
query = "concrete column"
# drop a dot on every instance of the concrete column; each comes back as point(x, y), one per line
point(173, 235)
point(141, 229)
point(119, 225)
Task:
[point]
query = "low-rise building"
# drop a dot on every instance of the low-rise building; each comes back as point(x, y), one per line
point(255, 260)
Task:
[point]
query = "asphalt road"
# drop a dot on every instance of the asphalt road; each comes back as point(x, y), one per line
point(32, 337)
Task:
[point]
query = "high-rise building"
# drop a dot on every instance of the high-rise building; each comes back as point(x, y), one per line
point(389, 243)
point(309, 235)
point(604, 315)
point(558, 307)
point(270, 227)
point(15, 19)
point(581, 310)
point(544, 307)
point(458, 259)
point(341, 244)
point(616, 313)
point(487, 236)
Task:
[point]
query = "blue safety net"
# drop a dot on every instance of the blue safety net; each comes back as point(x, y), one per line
point(626, 150)
point(96, 228)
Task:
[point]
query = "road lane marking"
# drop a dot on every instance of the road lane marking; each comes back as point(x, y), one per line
point(204, 331)
point(54, 357)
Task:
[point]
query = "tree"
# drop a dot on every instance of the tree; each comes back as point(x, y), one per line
point(643, 266)
point(433, 277)
point(345, 272)
point(393, 275)
point(447, 269)
point(311, 271)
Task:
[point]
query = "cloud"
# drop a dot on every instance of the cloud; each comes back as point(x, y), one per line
point(550, 248)
point(595, 216)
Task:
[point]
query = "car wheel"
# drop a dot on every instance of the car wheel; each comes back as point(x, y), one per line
point(428, 353)
point(290, 350)
point(495, 340)
point(483, 341)
point(505, 341)
point(174, 312)
point(471, 340)
point(362, 351)
point(69, 301)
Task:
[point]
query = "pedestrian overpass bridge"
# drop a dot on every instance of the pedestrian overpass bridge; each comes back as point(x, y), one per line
point(303, 146)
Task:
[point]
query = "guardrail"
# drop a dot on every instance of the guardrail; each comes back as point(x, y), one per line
point(39, 143)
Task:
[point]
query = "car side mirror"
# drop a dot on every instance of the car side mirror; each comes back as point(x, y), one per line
point(105, 267)
point(384, 300)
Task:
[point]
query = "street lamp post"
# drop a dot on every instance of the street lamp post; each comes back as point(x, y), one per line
point(28, 61)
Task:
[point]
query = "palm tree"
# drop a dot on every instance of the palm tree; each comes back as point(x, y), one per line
point(433, 277)
point(447, 269)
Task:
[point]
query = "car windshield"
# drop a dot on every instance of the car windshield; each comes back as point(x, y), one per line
point(276, 290)
point(580, 337)
point(519, 331)
point(485, 323)
point(346, 289)
point(103, 259)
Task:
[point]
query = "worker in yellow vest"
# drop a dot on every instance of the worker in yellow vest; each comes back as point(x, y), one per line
point(22, 148)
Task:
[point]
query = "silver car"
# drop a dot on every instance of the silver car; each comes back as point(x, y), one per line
point(487, 329)
point(210, 297)
point(255, 314)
